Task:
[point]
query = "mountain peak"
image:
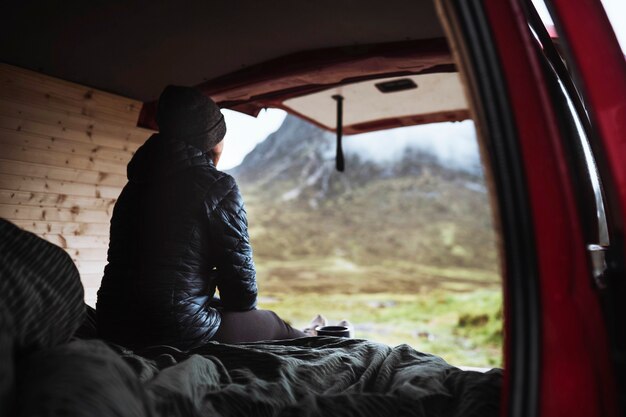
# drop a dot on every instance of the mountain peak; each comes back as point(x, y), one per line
point(299, 160)
point(296, 142)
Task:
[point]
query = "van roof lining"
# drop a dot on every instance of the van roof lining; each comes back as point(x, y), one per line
point(270, 84)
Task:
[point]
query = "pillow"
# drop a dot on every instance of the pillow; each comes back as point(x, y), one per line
point(40, 290)
point(80, 378)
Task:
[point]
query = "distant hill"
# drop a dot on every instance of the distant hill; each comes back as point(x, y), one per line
point(411, 211)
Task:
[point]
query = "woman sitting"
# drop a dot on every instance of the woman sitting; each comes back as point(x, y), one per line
point(178, 232)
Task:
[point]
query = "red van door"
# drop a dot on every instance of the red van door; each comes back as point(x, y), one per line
point(561, 196)
point(598, 67)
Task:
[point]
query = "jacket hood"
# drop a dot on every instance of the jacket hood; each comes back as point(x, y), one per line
point(161, 157)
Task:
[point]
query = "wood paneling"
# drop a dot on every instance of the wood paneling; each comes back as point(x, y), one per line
point(63, 119)
point(63, 154)
point(26, 183)
point(58, 214)
point(32, 88)
point(19, 123)
point(60, 159)
point(67, 146)
point(61, 173)
point(48, 199)
point(64, 228)
point(78, 242)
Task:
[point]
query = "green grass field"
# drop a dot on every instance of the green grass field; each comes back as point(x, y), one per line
point(453, 313)
point(407, 260)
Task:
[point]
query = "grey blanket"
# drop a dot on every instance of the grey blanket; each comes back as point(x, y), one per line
point(302, 377)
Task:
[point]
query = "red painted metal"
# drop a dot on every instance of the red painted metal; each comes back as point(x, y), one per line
point(575, 370)
point(602, 71)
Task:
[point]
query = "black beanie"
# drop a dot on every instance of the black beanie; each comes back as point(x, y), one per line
point(184, 113)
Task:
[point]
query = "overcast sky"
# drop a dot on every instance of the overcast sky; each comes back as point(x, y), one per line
point(243, 132)
point(454, 143)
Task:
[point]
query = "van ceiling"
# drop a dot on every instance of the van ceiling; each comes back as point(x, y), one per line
point(134, 48)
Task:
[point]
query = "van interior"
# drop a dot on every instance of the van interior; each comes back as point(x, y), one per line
point(78, 96)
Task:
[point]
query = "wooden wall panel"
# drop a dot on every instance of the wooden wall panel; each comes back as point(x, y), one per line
point(63, 154)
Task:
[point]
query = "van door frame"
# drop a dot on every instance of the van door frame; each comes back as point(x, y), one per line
point(554, 365)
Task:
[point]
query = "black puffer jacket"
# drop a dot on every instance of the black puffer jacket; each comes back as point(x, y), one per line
point(178, 230)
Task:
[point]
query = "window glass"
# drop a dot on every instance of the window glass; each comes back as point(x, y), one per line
point(245, 132)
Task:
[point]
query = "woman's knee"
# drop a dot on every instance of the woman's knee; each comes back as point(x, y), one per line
point(273, 314)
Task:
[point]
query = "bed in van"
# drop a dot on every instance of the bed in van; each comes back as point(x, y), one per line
point(77, 97)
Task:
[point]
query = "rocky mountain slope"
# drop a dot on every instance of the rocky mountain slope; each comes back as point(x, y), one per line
point(403, 215)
